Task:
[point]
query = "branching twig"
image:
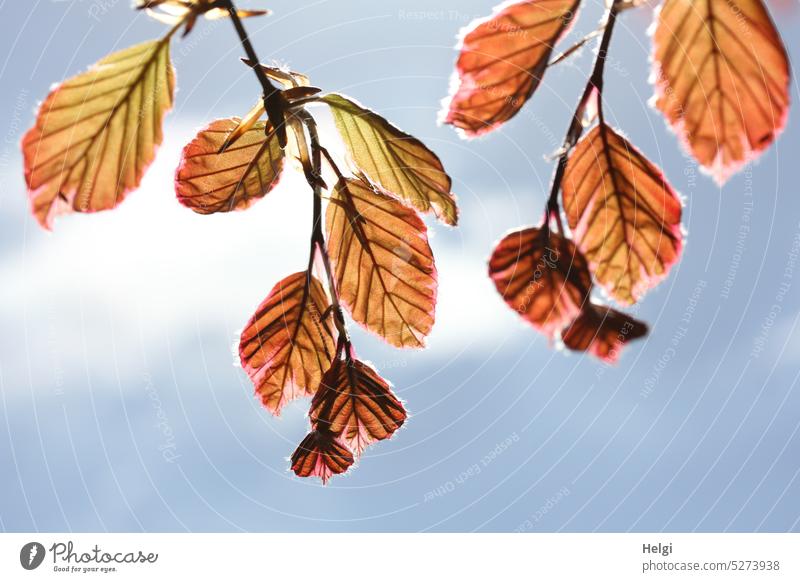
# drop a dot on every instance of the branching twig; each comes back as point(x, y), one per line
point(274, 102)
point(317, 236)
point(575, 130)
point(277, 107)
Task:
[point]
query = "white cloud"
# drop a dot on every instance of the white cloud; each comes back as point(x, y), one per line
point(153, 269)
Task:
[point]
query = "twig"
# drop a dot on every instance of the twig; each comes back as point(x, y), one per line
point(274, 102)
point(575, 129)
point(317, 236)
point(576, 47)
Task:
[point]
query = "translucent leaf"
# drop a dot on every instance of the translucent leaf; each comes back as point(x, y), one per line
point(321, 455)
point(603, 332)
point(216, 13)
point(383, 265)
point(624, 214)
point(96, 133)
point(722, 79)
point(287, 346)
point(545, 279)
point(502, 60)
point(398, 162)
point(172, 11)
point(356, 404)
point(208, 181)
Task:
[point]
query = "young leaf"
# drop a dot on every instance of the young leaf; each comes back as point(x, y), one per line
point(502, 61)
point(722, 79)
point(383, 265)
point(321, 455)
point(287, 345)
point(398, 162)
point(174, 11)
point(96, 133)
point(625, 216)
point(357, 405)
point(208, 181)
point(602, 331)
point(545, 279)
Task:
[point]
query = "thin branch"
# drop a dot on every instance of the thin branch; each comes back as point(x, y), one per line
point(274, 102)
point(317, 236)
point(575, 130)
point(576, 47)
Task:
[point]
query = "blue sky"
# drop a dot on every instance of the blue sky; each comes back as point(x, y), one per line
point(122, 409)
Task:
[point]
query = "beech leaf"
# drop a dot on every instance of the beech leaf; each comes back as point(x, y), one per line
point(383, 264)
point(96, 133)
point(625, 216)
point(287, 345)
point(602, 331)
point(502, 61)
point(542, 277)
point(721, 76)
point(321, 455)
point(356, 404)
point(397, 161)
point(209, 181)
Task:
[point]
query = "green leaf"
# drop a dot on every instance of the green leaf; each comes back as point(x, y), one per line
point(397, 161)
point(97, 132)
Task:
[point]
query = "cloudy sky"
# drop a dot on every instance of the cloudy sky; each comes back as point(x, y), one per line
point(123, 409)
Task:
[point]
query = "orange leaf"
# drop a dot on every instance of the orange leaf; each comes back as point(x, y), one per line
point(383, 264)
point(97, 132)
point(321, 455)
point(287, 346)
point(602, 331)
point(625, 215)
point(208, 181)
point(502, 61)
point(545, 279)
point(356, 404)
point(722, 79)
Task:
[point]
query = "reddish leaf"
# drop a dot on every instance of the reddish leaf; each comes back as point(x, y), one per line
point(602, 331)
point(722, 79)
point(502, 60)
point(545, 279)
point(625, 216)
point(383, 264)
point(287, 346)
point(321, 455)
point(356, 404)
point(208, 181)
point(96, 133)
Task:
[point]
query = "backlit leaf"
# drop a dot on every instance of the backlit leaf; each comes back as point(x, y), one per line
point(398, 162)
point(321, 455)
point(545, 279)
point(383, 265)
point(356, 404)
point(287, 346)
point(96, 133)
point(602, 331)
point(174, 11)
point(502, 60)
point(625, 217)
point(722, 79)
point(208, 181)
